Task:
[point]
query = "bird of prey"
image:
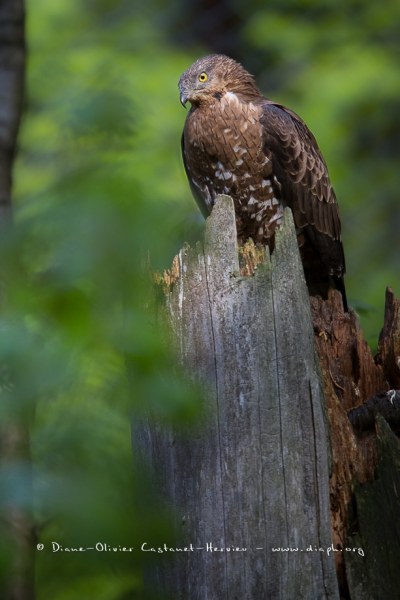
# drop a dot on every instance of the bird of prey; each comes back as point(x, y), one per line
point(237, 142)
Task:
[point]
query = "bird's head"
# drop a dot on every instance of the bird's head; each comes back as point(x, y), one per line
point(212, 76)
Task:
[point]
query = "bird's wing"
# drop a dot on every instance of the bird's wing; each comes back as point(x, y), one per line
point(305, 186)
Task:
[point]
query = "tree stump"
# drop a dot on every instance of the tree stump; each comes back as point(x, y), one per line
point(250, 487)
point(268, 498)
point(358, 388)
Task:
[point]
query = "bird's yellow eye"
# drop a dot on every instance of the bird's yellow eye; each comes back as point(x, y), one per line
point(203, 77)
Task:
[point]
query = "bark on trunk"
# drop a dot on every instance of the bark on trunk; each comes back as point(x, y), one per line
point(357, 388)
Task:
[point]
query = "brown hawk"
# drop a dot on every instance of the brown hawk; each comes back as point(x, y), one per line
point(263, 155)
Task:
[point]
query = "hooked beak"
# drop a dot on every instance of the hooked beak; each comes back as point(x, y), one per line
point(184, 93)
point(183, 99)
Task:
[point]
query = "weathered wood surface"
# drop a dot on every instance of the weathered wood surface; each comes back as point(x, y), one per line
point(389, 341)
point(352, 377)
point(256, 475)
point(374, 526)
point(386, 404)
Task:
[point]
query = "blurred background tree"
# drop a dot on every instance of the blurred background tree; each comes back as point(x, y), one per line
point(99, 185)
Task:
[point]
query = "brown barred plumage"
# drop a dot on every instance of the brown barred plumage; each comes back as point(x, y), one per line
point(263, 155)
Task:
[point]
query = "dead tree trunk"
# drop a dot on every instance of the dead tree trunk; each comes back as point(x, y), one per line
point(365, 481)
point(294, 471)
point(250, 490)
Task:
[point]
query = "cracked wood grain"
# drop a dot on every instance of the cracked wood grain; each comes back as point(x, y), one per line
point(255, 474)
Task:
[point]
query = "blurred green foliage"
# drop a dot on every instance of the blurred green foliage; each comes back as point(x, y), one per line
point(83, 349)
point(99, 187)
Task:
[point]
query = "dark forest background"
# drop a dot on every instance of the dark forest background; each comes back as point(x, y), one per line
point(99, 188)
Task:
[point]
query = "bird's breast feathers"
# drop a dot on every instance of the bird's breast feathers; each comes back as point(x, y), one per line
point(225, 154)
